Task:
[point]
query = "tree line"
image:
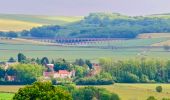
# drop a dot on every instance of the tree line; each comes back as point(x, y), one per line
point(137, 71)
point(100, 25)
point(46, 91)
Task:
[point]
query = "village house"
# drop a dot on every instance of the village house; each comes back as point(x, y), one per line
point(60, 74)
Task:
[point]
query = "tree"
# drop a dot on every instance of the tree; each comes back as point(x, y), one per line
point(166, 47)
point(131, 78)
point(151, 98)
point(44, 61)
point(12, 34)
point(38, 61)
point(88, 63)
point(11, 71)
point(27, 73)
point(11, 60)
point(93, 93)
point(42, 91)
point(21, 57)
point(79, 62)
point(159, 89)
point(2, 73)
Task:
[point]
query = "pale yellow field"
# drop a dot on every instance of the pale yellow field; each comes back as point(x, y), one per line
point(64, 18)
point(14, 25)
point(125, 91)
point(24, 41)
point(162, 43)
point(138, 91)
point(154, 35)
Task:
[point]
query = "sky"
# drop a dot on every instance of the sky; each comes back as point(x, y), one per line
point(84, 7)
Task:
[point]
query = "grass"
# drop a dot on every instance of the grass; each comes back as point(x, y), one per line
point(10, 48)
point(6, 96)
point(153, 35)
point(132, 42)
point(125, 91)
point(138, 91)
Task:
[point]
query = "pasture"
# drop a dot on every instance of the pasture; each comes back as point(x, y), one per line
point(33, 49)
point(125, 91)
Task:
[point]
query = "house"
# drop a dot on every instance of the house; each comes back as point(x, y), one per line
point(50, 66)
point(10, 78)
point(60, 74)
point(63, 74)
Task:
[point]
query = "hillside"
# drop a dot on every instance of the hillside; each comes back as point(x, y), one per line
point(18, 22)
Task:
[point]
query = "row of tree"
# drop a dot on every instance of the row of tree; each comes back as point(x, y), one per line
point(21, 73)
point(46, 91)
point(134, 71)
point(100, 25)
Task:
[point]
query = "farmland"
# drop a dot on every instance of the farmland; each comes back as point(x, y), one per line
point(18, 22)
point(125, 91)
point(10, 48)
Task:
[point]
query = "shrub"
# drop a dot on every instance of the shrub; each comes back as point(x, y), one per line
point(42, 91)
point(151, 98)
point(159, 89)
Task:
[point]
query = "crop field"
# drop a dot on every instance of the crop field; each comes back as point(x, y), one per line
point(17, 22)
point(132, 42)
point(125, 91)
point(10, 48)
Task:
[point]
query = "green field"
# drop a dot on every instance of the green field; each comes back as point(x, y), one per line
point(6, 96)
point(11, 49)
point(131, 42)
point(125, 91)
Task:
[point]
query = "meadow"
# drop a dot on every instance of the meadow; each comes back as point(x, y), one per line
point(125, 91)
point(34, 49)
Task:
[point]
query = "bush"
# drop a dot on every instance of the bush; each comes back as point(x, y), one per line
point(131, 78)
point(93, 93)
point(42, 91)
point(159, 89)
point(94, 81)
point(151, 98)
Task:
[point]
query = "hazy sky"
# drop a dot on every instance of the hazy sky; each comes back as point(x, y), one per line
point(84, 7)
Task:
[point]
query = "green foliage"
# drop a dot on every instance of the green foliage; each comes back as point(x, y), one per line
point(166, 99)
point(44, 61)
point(80, 71)
point(93, 93)
point(11, 60)
point(101, 79)
point(80, 62)
point(21, 57)
point(159, 89)
point(89, 64)
point(62, 65)
point(11, 71)
point(27, 73)
point(45, 31)
point(2, 72)
point(151, 98)
point(134, 71)
point(131, 78)
point(42, 91)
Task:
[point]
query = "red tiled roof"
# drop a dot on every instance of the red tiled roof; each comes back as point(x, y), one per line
point(63, 72)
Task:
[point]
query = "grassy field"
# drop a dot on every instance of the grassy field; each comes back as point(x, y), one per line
point(17, 22)
point(6, 96)
point(10, 48)
point(125, 91)
point(132, 42)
